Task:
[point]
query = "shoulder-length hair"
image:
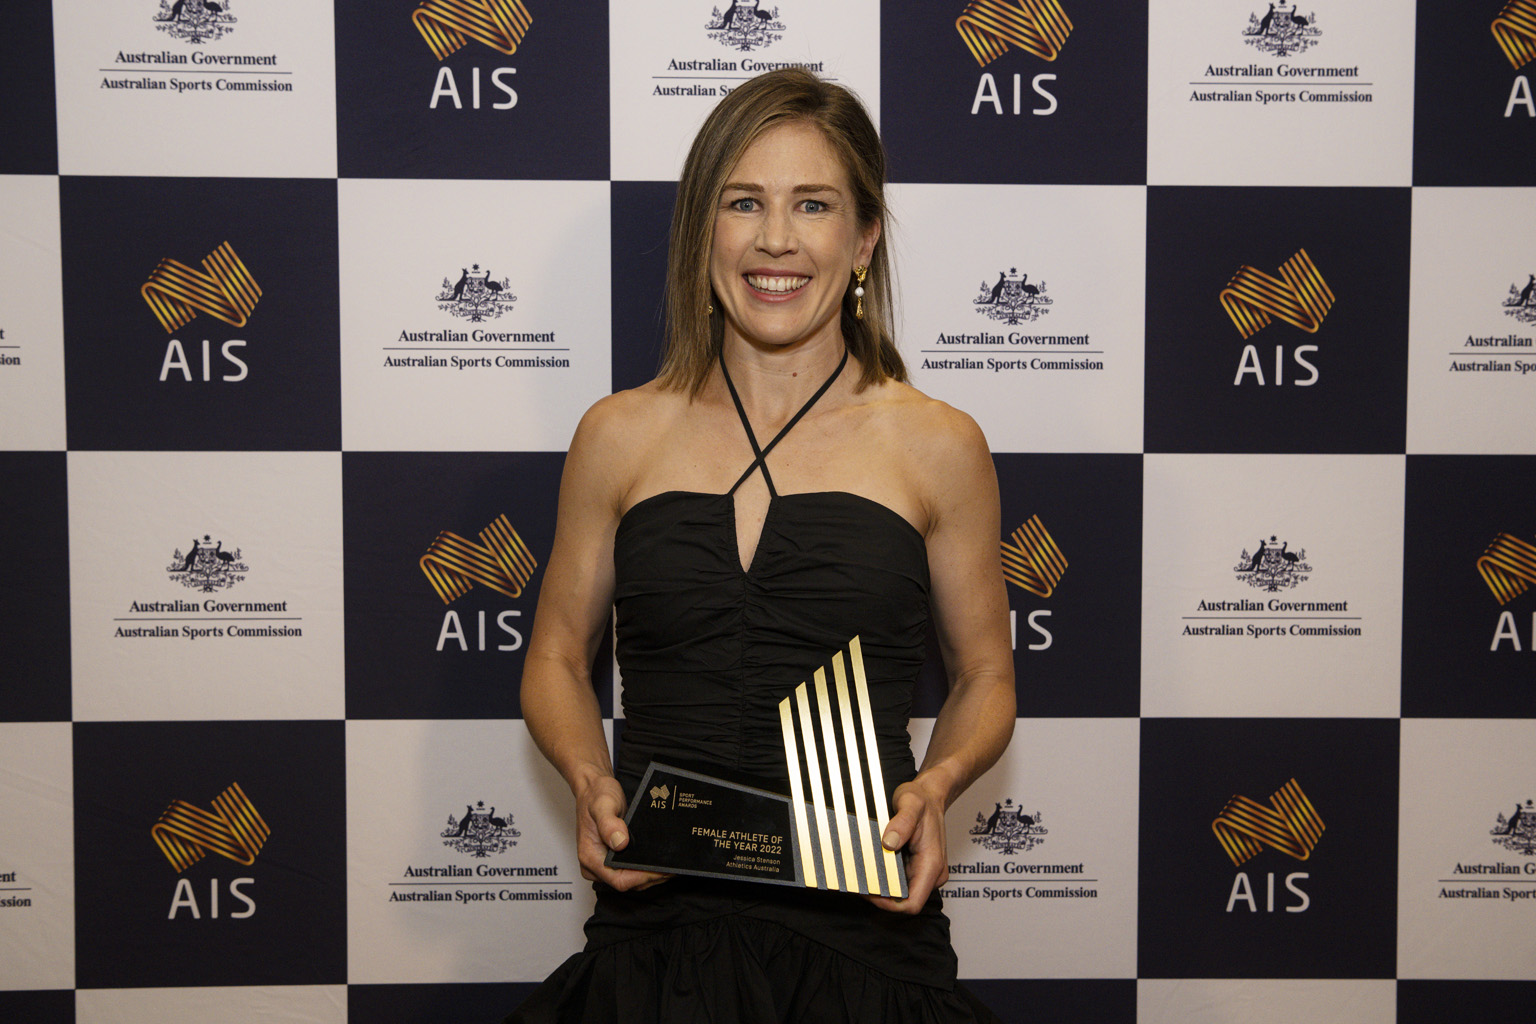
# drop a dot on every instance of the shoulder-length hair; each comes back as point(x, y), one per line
point(787, 95)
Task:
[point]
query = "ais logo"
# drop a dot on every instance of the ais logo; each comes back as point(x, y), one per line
point(1508, 566)
point(1289, 824)
point(1033, 562)
point(1299, 296)
point(224, 289)
point(449, 25)
point(234, 829)
point(1515, 30)
point(990, 27)
point(501, 561)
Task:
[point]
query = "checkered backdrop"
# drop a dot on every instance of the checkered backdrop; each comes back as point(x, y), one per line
point(299, 304)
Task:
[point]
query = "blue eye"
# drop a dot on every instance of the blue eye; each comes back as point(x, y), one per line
point(746, 204)
point(815, 206)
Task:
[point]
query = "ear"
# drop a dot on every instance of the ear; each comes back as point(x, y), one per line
point(870, 235)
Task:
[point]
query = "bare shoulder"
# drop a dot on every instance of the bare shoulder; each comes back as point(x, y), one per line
point(937, 439)
point(943, 456)
point(627, 421)
point(618, 433)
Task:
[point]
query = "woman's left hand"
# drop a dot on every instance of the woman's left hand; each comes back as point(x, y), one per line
point(918, 825)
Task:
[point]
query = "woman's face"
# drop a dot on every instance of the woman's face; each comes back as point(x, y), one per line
point(786, 240)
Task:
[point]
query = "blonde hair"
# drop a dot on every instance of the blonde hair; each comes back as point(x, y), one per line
point(787, 95)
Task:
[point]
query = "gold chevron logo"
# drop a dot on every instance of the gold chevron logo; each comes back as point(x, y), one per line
point(224, 289)
point(1032, 560)
point(1299, 296)
point(1515, 29)
point(988, 27)
point(1289, 824)
point(501, 561)
point(843, 824)
point(1508, 566)
point(449, 25)
point(233, 829)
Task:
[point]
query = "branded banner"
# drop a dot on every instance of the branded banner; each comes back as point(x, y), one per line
point(301, 304)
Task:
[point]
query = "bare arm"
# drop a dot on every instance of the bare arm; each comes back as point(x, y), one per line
point(971, 615)
point(575, 601)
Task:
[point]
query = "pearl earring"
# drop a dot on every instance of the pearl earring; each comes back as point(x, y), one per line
point(858, 292)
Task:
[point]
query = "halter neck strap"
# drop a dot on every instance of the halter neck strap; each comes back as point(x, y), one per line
point(761, 460)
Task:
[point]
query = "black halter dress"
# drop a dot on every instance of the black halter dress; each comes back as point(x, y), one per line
point(707, 650)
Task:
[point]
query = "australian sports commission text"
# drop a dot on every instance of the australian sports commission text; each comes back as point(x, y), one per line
point(999, 365)
point(202, 632)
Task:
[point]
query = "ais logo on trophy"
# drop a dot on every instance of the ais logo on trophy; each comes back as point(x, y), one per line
point(824, 834)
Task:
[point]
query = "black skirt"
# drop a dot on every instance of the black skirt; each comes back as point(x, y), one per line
point(690, 950)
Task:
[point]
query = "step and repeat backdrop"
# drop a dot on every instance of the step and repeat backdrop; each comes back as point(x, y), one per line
point(300, 304)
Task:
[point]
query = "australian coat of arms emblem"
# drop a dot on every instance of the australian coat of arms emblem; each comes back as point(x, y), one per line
point(476, 296)
point(745, 26)
point(1273, 566)
point(1282, 30)
point(1517, 832)
point(480, 832)
point(1521, 303)
point(206, 566)
point(1008, 830)
point(195, 21)
point(1012, 299)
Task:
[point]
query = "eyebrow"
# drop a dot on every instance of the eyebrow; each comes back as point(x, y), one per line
point(744, 186)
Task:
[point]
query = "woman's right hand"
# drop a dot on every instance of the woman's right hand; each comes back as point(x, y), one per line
point(599, 828)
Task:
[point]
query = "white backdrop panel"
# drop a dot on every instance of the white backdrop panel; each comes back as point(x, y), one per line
point(1082, 249)
point(1014, 915)
point(449, 289)
point(495, 924)
point(37, 856)
point(668, 69)
point(31, 319)
point(1459, 776)
point(1224, 1001)
point(125, 106)
point(182, 654)
point(1294, 138)
point(1472, 306)
point(272, 1004)
point(1338, 522)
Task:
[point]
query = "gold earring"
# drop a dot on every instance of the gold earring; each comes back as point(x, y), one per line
point(858, 292)
point(710, 311)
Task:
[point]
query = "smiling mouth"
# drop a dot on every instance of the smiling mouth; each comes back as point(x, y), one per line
point(775, 284)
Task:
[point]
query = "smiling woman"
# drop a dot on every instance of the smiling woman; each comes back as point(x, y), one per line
point(733, 570)
point(798, 100)
point(787, 238)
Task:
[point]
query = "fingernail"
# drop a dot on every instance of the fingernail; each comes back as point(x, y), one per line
point(615, 840)
point(890, 839)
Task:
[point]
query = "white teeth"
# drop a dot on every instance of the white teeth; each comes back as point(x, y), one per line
point(775, 284)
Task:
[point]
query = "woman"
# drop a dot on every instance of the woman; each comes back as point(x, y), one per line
point(777, 490)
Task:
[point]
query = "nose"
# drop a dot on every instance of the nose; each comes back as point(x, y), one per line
point(776, 231)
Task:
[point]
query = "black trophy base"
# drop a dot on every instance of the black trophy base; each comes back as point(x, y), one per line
point(684, 823)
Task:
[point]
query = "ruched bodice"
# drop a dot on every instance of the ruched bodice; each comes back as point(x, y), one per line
point(707, 650)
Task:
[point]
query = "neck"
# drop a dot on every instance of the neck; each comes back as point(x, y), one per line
point(774, 383)
point(768, 370)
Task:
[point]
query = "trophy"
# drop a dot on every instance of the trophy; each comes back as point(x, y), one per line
point(823, 834)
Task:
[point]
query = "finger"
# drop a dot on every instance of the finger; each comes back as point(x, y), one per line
point(654, 879)
point(900, 828)
point(607, 823)
point(626, 879)
point(906, 906)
